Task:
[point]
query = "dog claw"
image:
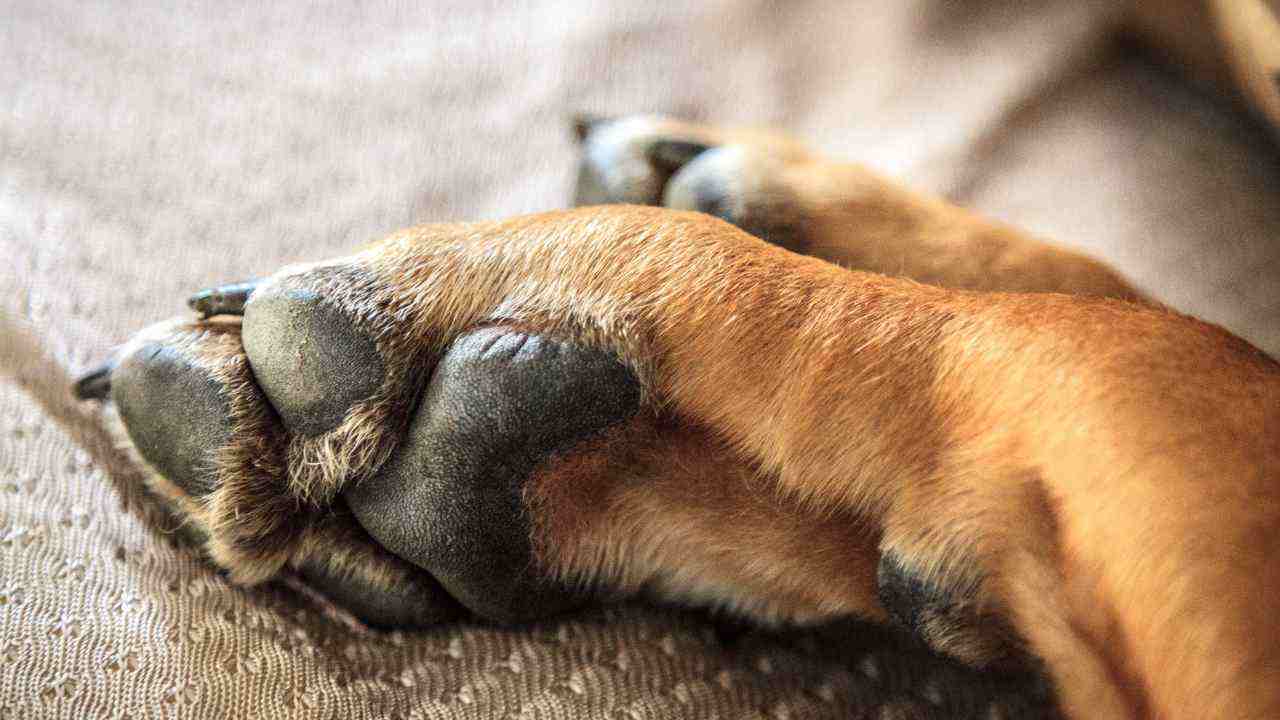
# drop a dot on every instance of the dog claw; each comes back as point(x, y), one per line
point(95, 384)
point(222, 300)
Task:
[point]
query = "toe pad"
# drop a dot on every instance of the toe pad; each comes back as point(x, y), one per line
point(310, 359)
point(174, 411)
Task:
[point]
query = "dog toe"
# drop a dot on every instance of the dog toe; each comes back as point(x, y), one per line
point(310, 359)
point(173, 404)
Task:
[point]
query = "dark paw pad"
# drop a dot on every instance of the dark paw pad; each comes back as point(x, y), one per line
point(174, 407)
point(450, 500)
point(312, 362)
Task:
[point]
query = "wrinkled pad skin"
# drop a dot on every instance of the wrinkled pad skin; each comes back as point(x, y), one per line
point(309, 359)
point(174, 412)
point(499, 403)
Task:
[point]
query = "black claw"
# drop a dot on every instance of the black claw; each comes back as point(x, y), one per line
point(94, 385)
point(222, 300)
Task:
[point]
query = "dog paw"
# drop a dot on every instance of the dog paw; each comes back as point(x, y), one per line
point(740, 176)
point(304, 436)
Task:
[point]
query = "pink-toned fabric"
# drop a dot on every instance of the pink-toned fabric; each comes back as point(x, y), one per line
point(148, 149)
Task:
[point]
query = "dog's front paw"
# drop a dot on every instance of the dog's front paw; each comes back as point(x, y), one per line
point(741, 176)
point(391, 474)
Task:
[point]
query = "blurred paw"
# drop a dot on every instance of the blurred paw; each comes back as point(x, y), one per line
point(740, 176)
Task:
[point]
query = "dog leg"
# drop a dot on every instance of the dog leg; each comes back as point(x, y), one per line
point(809, 420)
point(778, 191)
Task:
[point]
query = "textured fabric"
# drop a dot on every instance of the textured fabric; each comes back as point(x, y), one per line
point(150, 149)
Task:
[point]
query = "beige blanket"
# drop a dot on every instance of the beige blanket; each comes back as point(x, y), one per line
point(148, 149)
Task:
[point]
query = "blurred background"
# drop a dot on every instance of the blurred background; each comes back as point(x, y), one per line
point(148, 149)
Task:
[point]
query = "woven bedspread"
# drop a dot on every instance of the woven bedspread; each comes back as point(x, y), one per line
point(148, 149)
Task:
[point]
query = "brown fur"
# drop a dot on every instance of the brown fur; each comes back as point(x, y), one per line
point(1105, 469)
point(674, 518)
point(926, 239)
point(250, 524)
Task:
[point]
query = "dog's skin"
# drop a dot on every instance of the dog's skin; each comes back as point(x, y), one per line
point(512, 418)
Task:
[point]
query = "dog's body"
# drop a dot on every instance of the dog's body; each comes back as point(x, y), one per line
point(1086, 483)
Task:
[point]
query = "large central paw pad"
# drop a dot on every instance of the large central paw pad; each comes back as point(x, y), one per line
point(500, 402)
